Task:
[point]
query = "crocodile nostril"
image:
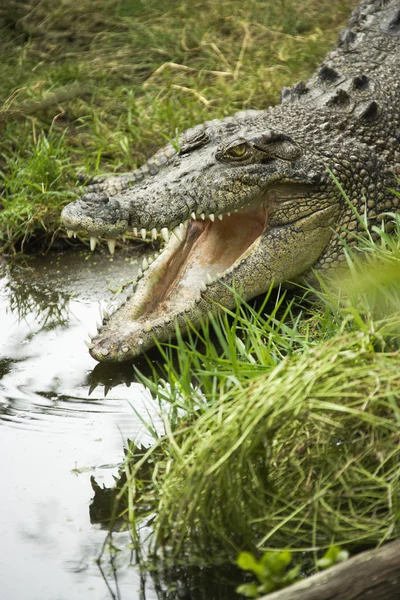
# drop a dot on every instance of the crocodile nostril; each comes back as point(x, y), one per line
point(95, 197)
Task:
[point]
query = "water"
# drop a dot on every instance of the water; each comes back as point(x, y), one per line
point(57, 429)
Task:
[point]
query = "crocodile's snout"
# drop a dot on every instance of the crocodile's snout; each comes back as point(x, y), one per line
point(98, 214)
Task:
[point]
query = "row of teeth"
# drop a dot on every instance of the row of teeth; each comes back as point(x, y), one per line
point(147, 261)
point(178, 230)
point(147, 327)
point(153, 233)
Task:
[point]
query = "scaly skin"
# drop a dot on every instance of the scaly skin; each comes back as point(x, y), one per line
point(345, 120)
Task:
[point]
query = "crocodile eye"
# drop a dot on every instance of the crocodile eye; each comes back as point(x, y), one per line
point(237, 151)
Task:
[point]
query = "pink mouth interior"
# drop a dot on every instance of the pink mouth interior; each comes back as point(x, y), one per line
point(209, 249)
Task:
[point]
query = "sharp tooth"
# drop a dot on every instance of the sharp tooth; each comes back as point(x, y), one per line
point(203, 216)
point(139, 273)
point(154, 233)
point(193, 216)
point(135, 232)
point(125, 349)
point(93, 242)
point(220, 217)
point(89, 344)
point(183, 225)
point(197, 300)
point(143, 233)
point(203, 287)
point(106, 314)
point(178, 233)
point(70, 233)
point(211, 216)
point(209, 279)
point(75, 234)
point(219, 275)
point(145, 264)
point(91, 335)
point(165, 233)
point(147, 327)
point(167, 320)
point(140, 342)
point(229, 214)
point(150, 260)
point(104, 351)
point(111, 245)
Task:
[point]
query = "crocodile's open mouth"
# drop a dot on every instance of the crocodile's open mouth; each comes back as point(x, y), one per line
point(205, 258)
point(178, 283)
point(207, 251)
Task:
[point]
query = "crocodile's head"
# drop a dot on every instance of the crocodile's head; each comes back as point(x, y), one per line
point(240, 206)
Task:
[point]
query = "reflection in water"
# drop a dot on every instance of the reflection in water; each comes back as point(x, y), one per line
point(46, 304)
point(54, 435)
point(108, 508)
point(109, 376)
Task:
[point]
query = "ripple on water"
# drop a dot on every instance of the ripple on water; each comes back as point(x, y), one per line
point(45, 368)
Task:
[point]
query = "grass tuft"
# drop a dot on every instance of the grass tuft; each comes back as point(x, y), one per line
point(282, 426)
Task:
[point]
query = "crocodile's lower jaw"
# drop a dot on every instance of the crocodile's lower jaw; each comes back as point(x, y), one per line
point(178, 285)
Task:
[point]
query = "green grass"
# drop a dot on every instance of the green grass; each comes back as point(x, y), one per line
point(281, 420)
point(99, 85)
point(282, 426)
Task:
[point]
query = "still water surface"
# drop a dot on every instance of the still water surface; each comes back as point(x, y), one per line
point(57, 429)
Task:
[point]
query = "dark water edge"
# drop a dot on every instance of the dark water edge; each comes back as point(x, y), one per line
point(64, 419)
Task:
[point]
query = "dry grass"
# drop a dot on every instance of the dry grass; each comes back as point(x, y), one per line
point(106, 82)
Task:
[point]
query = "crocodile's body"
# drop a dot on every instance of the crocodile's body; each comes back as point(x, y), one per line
point(272, 167)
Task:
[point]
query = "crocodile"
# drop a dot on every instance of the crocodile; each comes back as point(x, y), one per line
point(259, 198)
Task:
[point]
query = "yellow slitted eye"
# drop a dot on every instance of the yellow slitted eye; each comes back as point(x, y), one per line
point(237, 151)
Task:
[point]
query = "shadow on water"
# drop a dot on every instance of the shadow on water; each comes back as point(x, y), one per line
point(64, 422)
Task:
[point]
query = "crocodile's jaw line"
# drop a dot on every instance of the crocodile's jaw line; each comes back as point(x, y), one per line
point(178, 286)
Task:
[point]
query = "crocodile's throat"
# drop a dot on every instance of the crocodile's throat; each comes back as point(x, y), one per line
point(206, 253)
point(175, 283)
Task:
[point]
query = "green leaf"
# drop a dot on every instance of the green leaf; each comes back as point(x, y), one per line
point(250, 590)
point(324, 563)
point(269, 586)
point(342, 556)
point(291, 575)
point(247, 562)
point(276, 562)
point(332, 556)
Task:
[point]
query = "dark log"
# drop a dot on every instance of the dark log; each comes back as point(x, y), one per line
point(372, 575)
